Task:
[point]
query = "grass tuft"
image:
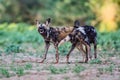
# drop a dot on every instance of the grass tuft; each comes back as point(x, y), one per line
point(78, 68)
point(4, 72)
point(95, 61)
point(13, 49)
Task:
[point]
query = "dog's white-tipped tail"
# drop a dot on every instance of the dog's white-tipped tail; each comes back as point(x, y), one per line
point(66, 39)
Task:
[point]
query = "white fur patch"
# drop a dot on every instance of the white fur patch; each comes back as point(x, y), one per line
point(43, 25)
point(94, 30)
point(64, 40)
point(86, 39)
point(39, 25)
point(67, 38)
point(82, 30)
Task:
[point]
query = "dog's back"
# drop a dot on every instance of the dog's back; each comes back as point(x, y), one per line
point(88, 33)
point(64, 32)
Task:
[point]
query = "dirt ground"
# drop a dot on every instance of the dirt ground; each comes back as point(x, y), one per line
point(107, 69)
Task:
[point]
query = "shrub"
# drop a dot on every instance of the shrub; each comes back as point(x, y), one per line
point(13, 48)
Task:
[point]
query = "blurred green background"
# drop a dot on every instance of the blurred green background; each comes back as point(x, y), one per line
point(17, 21)
point(103, 14)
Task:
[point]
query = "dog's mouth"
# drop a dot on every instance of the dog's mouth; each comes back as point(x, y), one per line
point(41, 31)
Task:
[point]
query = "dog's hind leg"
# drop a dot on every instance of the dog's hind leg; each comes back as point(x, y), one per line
point(47, 45)
point(95, 49)
point(87, 53)
point(90, 55)
point(80, 47)
point(87, 48)
point(72, 48)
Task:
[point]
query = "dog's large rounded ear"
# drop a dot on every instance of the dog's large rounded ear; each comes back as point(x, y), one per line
point(37, 23)
point(76, 24)
point(48, 21)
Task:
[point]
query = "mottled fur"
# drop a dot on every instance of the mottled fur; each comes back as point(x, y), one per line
point(82, 35)
point(52, 35)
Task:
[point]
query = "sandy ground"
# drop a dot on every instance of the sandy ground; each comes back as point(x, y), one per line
point(40, 71)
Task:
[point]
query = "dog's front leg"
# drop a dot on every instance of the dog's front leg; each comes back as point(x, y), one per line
point(72, 48)
point(47, 45)
point(57, 54)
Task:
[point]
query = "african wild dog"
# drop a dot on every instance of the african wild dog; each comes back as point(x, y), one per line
point(52, 35)
point(82, 35)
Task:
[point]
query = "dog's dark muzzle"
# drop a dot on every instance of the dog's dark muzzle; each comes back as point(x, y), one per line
point(41, 30)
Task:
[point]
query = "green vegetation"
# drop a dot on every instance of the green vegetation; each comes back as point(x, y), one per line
point(18, 33)
point(92, 12)
point(78, 68)
point(63, 49)
point(21, 42)
point(4, 72)
point(108, 69)
point(55, 70)
point(28, 66)
point(109, 41)
point(13, 48)
point(95, 61)
point(20, 71)
point(13, 36)
point(14, 70)
point(0, 52)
